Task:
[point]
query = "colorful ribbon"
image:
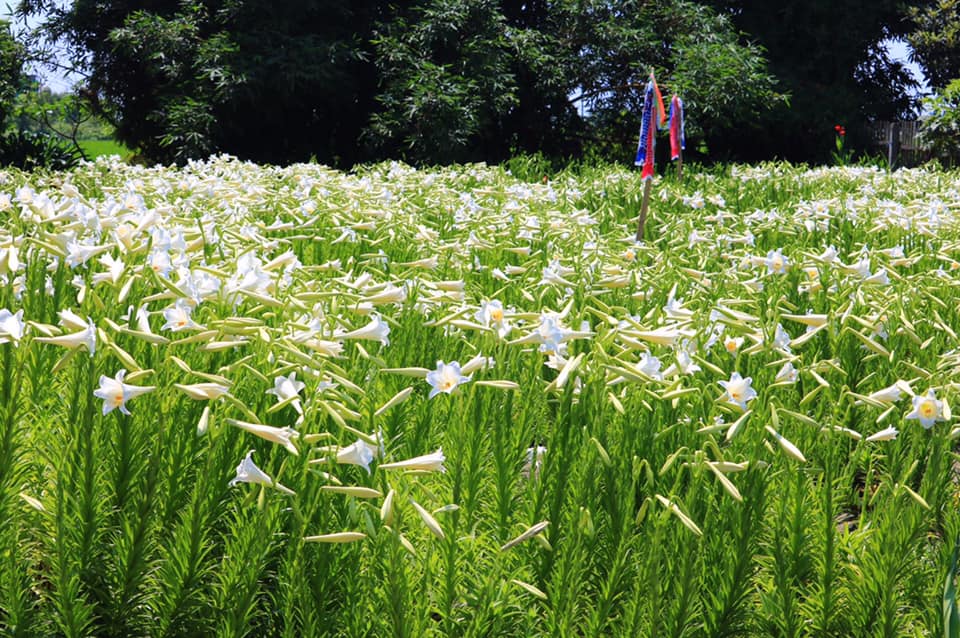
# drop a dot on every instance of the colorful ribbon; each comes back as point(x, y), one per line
point(678, 140)
point(647, 143)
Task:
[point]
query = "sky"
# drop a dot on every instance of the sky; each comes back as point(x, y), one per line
point(57, 80)
point(900, 50)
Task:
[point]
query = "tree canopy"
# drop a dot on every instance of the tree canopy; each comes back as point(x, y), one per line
point(829, 56)
point(434, 81)
point(269, 81)
point(479, 79)
point(935, 40)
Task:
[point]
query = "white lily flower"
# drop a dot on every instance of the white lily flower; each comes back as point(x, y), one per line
point(86, 338)
point(491, 315)
point(114, 271)
point(178, 318)
point(649, 366)
point(685, 362)
point(390, 294)
point(829, 255)
point(478, 362)
point(880, 278)
point(738, 390)
point(776, 262)
point(732, 344)
point(115, 393)
point(71, 320)
point(359, 453)
point(781, 339)
point(282, 436)
point(376, 330)
point(11, 326)
point(787, 374)
point(927, 409)
point(446, 378)
point(888, 395)
point(143, 320)
point(248, 472)
point(286, 389)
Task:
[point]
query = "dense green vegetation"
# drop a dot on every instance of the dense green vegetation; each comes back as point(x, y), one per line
point(477, 406)
point(434, 82)
point(935, 39)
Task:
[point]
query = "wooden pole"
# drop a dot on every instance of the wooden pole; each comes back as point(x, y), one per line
point(891, 145)
point(647, 184)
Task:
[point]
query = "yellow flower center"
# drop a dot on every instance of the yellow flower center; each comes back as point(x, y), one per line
point(731, 345)
point(630, 255)
point(118, 399)
point(446, 385)
point(735, 395)
point(928, 409)
point(497, 315)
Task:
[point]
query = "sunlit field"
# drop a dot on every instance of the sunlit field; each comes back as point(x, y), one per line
point(241, 400)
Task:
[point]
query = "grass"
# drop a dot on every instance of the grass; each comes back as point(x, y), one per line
point(96, 148)
point(739, 426)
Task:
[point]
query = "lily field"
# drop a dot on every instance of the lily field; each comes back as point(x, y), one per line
point(239, 400)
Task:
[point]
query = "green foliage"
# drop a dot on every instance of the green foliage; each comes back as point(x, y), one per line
point(268, 81)
point(433, 82)
point(935, 40)
point(12, 56)
point(530, 168)
point(827, 55)
point(51, 128)
point(23, 146)
point(951, 612)
point(696, 54)
point(29, 150)
point(430, 81)
point(66, 115)
point(469, 80)
point(940, 124)
point(447, 81)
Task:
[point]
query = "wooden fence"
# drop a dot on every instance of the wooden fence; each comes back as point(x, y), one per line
point(898, 140)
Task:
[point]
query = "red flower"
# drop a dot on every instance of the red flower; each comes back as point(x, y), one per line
point(837, 128)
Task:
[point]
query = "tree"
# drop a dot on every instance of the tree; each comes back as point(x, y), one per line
point(935, 40)
point(429, 80)
point(12, 57)
point(181, 78)
point(828, 55)
point(696, 54)
point(940, 125)
point(18, 147)
point(479, 79)
point(447, 81)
